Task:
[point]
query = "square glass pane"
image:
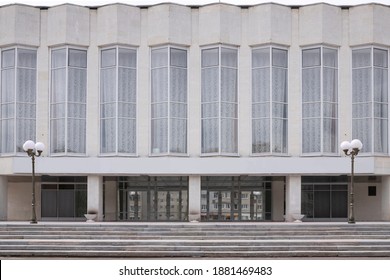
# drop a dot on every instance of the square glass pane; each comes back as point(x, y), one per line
point(229, 57)
point(77, 58)
point(260, 57)
point(361, 58)
point(8, 58)
point(311, 57)
point(330, 57)
point(159, 57)
point(210, 57)
point(127, 58)
point(178, 57)
point(58, 58)
point(380, 58)
point(279, 58)
point(27, 58)
point(108, 58)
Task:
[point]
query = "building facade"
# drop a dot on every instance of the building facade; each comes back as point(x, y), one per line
point(207, 113)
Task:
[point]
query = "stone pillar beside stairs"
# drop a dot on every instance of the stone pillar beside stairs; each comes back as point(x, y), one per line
point(194, 198)
point(293, 198)
point(3, 198)
point(95, 196)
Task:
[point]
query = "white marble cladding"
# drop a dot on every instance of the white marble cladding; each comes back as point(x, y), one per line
point(369, 24)
point(265, 24)
point(320, 24)
point(68, 24)
point(19, 24)
point(118, 24)
point(219, 23)
point(169, 24)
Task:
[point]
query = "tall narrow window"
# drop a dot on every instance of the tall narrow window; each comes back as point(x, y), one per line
point(219, 101)
point(169, 101)
point(370, 98)
point(17, 98)
point(118, 78)
point(68, 101)
point(319, 100)
point(269, 100)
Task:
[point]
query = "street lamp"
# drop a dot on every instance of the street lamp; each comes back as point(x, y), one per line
point(33, 150)
point(351, 149)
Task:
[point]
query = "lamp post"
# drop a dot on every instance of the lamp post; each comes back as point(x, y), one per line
point(33, 150)
point(351, 149)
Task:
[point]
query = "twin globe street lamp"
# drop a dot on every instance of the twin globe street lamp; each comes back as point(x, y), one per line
point(351, 149)
point(33, 150)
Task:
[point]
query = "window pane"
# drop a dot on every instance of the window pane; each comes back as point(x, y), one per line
point(330, 84)
point(58, 86)
point(228, 57)
point(160, 85)
point(210, 85)
point(25, 130)
point(381, 85)
point(58, 58)
point(380, 58)
point(27, 58)
point(261, 131)
point(127, 136)
point(178, 85)
point(311, 57)
point(210, 110)
point(210, 57)
point(77, 85)
point(76, 135)
point(361, 58)
point(362, 129)
point(8, 85)
point(361, 85)
point(107, 85)
point(330, 135)
point(311, 84)
point(159, 57)
point(279, 85)
point(279, 135)
point(26, 85)
point(127, 58)
point(127, 85)
point(260, 57)
point(210, 136)
point(7, 132)
point(229, 84)
point(108, 57)
point(261, 85)
point(279, 58)
point(330, 57)
point(107, 136)
point(178, 57)
point(57, 137)
point(229, 136)
point(261, 110)
point(159, 136)
point(8, 58)
point(178, 136)
point(77, 58)
point(311, 135)
point(381, 135)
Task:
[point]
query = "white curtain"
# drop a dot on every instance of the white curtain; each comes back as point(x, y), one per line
point(311, 97)
point(17, 126)
point(68, 129)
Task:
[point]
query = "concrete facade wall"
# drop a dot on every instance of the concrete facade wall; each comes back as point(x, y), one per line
point(193, 28)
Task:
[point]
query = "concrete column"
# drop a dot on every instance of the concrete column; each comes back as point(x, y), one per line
point(293, 196)
point(111, 204)
point(194, 198)
point(386, 198)
point(95, 195)
point(3, 198)
point(277, 200)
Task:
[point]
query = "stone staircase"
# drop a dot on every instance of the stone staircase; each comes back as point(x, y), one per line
point(194, 240)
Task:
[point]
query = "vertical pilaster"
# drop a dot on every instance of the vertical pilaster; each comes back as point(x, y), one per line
point(194, 195)
point(3, 198)
point(293, 196)
point(95, 195)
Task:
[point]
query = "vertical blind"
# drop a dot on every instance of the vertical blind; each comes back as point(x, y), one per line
point(17, 98)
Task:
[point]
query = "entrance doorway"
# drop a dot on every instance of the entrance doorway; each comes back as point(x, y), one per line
point(237, 198)
point(324, 198)
point(146, 198)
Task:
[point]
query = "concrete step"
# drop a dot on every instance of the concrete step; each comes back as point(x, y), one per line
point(194, 240)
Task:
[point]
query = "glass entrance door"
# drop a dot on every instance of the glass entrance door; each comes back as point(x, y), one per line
point(153, 198)
point(236, 199)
